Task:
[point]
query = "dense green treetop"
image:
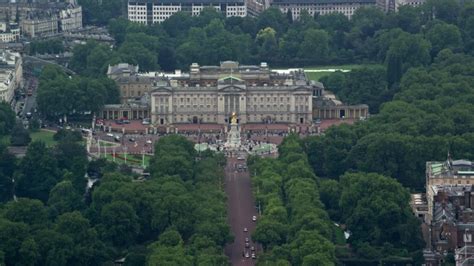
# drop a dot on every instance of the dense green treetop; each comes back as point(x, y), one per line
point(178, 216)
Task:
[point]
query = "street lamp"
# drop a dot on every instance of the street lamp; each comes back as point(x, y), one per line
point(125, 148)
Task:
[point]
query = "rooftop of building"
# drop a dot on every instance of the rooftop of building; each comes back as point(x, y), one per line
point(450, 168)
point(121, 69)
point(314, 2)
point(452, 190)
point(444, 212)
point(185, 1)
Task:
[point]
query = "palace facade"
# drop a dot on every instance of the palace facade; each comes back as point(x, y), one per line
point(210, 94)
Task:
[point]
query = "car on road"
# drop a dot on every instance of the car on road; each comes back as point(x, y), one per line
point(110, 135)
point(254, 256)
point(247, 244)
point(245, 229)
point(254, 218)
point(252, 248)
point(149, 141)
point(247, 240)
point(247, 255)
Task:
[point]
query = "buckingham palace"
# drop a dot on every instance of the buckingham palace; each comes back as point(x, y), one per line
point(210, 94)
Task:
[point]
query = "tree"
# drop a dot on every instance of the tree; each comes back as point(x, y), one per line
point(64, 198)
point(120, 223)
point(20, 136)
point(12, 235)
point(8, 165)
point(87, 249)
point(375, 209)
point(38, 172)
point(28, 252)
point(53, 247)
point(315, 45)
point(72, 157)
point(28, 211)
point(136, 54)
point(269, 233)
point(267, 43)
point(444, 36)
point(7, 118)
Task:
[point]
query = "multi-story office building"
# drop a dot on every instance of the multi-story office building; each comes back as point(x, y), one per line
point(394, 5)
point(322, 7)
point(156, 11)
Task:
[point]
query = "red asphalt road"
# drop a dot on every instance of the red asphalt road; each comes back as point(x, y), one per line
point(240, 209)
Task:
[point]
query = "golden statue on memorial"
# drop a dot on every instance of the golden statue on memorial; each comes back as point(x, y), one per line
point(233, 119)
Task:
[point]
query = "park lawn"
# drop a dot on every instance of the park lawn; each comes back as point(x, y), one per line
point(339, 236)
point(108, 144)
point(318, 75)
point(119, 159)
point(348, 67)
point(5, 140)
point(44, 136)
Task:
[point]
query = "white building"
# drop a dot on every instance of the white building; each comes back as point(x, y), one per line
point(156, 11)
point(394, 5)
point(9, 32)
point(322, 7)
point(34, 27)
point(11, 74)
point(70, 18)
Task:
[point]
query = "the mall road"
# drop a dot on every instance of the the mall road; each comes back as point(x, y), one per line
point(241, 208)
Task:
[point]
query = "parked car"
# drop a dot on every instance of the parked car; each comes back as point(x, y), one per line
point(254, 218)
point(245, 229)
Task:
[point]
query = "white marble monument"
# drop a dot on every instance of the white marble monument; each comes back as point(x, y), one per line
point(233, 135)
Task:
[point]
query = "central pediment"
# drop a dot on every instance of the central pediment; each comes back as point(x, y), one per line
point(232, 88)
point(161, 89)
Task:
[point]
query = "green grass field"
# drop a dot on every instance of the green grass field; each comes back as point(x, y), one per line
point(318, 75)
point(108, 144)
point(45, 136)
point(120, 159)
point(5, 140)
point(348, 67)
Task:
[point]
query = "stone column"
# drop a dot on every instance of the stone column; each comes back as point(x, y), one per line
point(220, 108)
